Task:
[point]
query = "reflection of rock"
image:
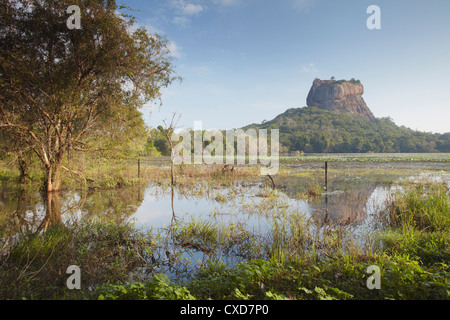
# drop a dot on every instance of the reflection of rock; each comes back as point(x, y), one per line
point(344, 207)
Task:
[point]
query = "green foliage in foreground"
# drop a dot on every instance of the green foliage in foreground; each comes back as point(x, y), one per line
point(158, 288)
point(35, 265)
point(419, 224)
point(414, 263)
point(402, 278)
point(413, 256)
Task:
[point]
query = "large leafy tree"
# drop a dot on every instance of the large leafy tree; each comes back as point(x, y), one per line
point(65, 89)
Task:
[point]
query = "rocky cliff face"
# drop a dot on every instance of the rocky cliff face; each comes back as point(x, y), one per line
point(340, 97)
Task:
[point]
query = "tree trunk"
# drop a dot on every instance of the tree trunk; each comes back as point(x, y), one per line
point(57, 175)
point(52, 178)
point(23, 168)
point(48, 185)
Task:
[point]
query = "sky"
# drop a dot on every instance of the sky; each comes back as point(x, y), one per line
point(245, 61)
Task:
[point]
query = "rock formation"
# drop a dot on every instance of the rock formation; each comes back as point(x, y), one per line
point(339, 96)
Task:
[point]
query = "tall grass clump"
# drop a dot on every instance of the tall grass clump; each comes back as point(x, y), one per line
point(418, 223)
point(423, 207)
point(34, 266)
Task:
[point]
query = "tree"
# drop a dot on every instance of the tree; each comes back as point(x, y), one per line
point(168, 131)
point(443, 144)
point(160, 142)
point(67, 89)
point(9, 144)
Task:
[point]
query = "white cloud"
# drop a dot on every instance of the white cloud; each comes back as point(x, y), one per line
point(191, 9)
point(198, 69)
point(310, 68)
point(174, 49)
point(184, 8)
point(152, 29)
point(181, 21)
point(225, 3)
point(303, 5)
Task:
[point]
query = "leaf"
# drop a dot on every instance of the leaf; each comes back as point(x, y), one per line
point(274, 296)
point(238, 294)
point(322, 294)
point(317, 268)
point(305, 290)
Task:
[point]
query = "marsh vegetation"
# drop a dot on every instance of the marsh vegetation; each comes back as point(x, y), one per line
point(78, 186)
point(223, 235)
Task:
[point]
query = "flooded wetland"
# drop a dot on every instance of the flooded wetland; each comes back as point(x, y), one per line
point(209, 219)
point(166, 150)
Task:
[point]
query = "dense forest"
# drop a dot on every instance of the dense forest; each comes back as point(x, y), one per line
point(313, 130)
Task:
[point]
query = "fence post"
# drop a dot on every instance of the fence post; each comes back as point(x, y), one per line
point(326, 176)
point(139, 168)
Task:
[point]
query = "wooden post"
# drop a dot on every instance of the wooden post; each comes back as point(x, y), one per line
point(326, 176)
point(273, 182)
point(139, 168)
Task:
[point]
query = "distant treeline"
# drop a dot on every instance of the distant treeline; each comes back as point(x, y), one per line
point(313, 130)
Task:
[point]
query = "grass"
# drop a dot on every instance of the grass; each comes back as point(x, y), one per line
point(298, 264)
point(368, 157)
point(423, 207)
point(295, 258)
point(419, 223)
point(102, 174)
point(34, 266)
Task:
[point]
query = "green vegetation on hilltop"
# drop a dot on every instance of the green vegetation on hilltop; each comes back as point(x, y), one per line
point(313, 130)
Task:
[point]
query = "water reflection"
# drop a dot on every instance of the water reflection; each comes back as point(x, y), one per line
point(25, 212)
point(344, 207)
point(53, 213)
point(111, 205)
point(20, 211)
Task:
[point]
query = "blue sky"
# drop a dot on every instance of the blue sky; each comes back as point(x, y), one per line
point(245, 61)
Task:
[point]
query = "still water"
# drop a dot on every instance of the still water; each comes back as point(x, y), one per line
point(351, 199)
point(247, 209)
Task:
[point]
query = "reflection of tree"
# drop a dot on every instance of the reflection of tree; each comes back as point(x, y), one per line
point(52, 201)
point(25, 212)
point(113, 205)
point(19, 211)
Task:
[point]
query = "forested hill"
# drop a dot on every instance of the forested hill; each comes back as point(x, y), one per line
point(315, 130)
